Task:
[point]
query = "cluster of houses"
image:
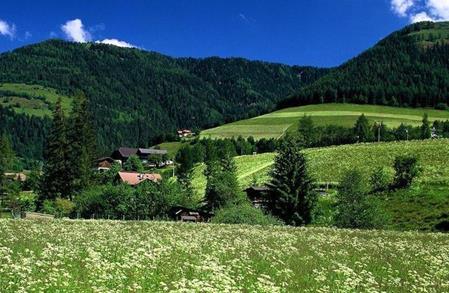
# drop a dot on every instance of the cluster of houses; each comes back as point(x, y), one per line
point(150, 157)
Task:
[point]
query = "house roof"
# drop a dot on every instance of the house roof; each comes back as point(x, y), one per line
point(152, 151)
point(126, 152)
point(135, 178)
point(109, 159)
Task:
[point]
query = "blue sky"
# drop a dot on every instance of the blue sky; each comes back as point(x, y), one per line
point(301, 32)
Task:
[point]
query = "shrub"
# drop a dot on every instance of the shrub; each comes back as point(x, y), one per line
point(27, 201)
point(48, 207)
point(406, 169)
point(133, 164)
point(148, 200)
point(380, 180)
point(63, 207)
point(243, 214)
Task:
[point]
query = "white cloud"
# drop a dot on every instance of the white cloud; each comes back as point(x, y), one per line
point(7, 29)
point(117, 43)
point(422, 16)
point(74, 30)
point(401, 7)
point(421, 10)
point(439, 8)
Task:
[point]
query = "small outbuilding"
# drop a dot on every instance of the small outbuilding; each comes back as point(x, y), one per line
point(258, 195)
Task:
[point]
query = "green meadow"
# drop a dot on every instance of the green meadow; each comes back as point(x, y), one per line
point(330, 163)
point(33, 100)
point(118, 256)
point(276, 124)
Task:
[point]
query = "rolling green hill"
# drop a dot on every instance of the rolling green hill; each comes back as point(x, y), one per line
point(330, 163)
point(275, 124)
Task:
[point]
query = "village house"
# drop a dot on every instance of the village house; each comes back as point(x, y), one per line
point(21, 177)
point(258, 195)
point(135, 178)
point(105, 163)
point(183, 214)
point(151, 156)
point(185, 133)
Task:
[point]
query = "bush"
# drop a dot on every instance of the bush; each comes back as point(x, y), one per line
point(133, 164)
point(48, 207)
point(27, 201)
point(149, 200)
point(243, 214)
point(406, 169)
point(63, 207)
point(380, 180)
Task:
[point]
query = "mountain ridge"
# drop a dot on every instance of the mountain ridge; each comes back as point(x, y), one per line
point(137, 96)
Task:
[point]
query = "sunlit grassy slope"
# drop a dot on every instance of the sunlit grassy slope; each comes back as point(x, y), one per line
point(330, 163)
point(34, 100)
point(275, 124)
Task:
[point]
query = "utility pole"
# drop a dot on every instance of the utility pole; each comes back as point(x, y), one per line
point(379, 125)
point(378, 131)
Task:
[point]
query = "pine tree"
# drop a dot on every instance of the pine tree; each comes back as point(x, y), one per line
point(56, 179)
point(425, 127)
point(7, 159)
point(306, 131)
point(362, 129)
point(222, 187)
point(81, 144)
point(353, 210)
point(292, 196)
point(185, 160)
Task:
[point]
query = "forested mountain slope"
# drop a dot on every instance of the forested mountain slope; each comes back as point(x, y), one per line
point(137, 95)
point(408, 68)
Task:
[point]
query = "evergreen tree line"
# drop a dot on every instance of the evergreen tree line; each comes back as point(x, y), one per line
point(202, 150)
point(364, 131)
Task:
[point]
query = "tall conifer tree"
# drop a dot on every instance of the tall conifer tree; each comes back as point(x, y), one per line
point(81, 143)
point(292, 196)
point(56, 180)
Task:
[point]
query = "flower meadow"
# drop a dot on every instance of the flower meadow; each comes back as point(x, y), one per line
point(120, 256)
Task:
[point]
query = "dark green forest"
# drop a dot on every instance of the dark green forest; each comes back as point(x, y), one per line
point(136, 96)
point(139, 98)
point(409, 68)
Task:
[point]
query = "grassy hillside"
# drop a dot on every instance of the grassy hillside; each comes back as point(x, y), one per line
point(330, 163)
point(117, 256)
point(275, 124)
point(33, 100)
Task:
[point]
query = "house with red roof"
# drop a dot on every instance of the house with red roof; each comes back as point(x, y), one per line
point(135, 178)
